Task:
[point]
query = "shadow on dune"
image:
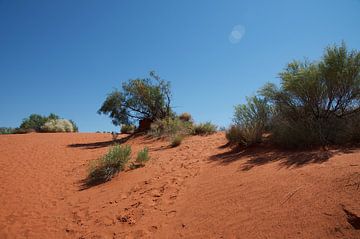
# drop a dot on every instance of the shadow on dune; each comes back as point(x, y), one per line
point(261, 155)
point(102, 144)
point(86, 183)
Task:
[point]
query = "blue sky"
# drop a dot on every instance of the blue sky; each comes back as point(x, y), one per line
point(65, 56)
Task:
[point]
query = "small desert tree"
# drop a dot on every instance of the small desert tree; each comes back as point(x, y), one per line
point(139, 99)
point(317, 103)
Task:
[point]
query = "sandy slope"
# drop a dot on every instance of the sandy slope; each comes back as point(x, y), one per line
point(197, 190)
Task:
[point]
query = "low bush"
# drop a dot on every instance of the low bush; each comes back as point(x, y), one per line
point(185, 117)
point(105, 168)
point(143, 156)
point(127, 129)
point(205, 128)
point(250, 121)
point(57, 125)
point(75, 127)
point(6, 130)
point(170, 127)
point(176, 140)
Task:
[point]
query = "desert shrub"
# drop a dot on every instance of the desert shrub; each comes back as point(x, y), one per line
point(317, 103)
point(110, 164)
point(176, 140)
point(57, 125)
point(7, 130)
point(205, 128)
point(250, 121)
point(139, 99)
point(127, 129)
point(234, 135)
point(34, 121)
point(143, 155)
point(169, 127)
point(50, 123)
point(141, 159)
point(75, 127)
point(185, 117)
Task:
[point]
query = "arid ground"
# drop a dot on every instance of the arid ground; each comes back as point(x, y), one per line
point(201, 189)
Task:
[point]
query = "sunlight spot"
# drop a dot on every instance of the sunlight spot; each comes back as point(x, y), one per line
point(237, 34)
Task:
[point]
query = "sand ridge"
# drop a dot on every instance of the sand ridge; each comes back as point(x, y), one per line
point(200, 189)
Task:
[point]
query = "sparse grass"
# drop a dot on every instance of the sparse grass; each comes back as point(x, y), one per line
point(176, 140)
point(205, 128)
point(143, 155)
point(110, 164)
point(141, 159)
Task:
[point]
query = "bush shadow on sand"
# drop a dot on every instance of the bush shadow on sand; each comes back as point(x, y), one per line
point(257, 156)
point(103, 144)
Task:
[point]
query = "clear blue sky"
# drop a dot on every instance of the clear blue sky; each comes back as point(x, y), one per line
point(65, 56)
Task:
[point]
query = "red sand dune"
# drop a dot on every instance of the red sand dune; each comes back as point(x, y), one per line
point(197, 190)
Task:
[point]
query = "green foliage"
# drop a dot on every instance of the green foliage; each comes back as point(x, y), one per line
point(74, 126)
point(250, 121)
point(7, 130)
point(205, 129)
point(51, 123)
point(169, 127)
point(139, 99)
point(34, 121)
point(143, 156)
point(317, 103)
point(105, 168)
point(127, 129)
point(176, 140)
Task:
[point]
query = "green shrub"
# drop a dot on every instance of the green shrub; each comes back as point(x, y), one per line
point(51, 123)
point(143, 156)
point(250, 121)
point(176, 140)
point(57, 125)
point(317, 103)
point(105, 168)
point(205, 128)
point(6, 130)
point(185, 117)
point(75, 127)
point(169, 127)
point(34, 121)
point(127, 129)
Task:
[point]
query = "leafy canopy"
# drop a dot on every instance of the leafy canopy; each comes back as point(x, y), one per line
point(139, 99)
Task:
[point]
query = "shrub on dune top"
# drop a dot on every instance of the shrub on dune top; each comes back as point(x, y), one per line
point(6, 130)
point(205, 128)
point(58, 125)
point(250, 121)
point(169, 127)
point(105, 168)
point(185, 117)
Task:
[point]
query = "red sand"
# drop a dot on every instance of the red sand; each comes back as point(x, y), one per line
point(197, 190)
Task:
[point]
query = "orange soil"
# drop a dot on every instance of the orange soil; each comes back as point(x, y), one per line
point(197, 190)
